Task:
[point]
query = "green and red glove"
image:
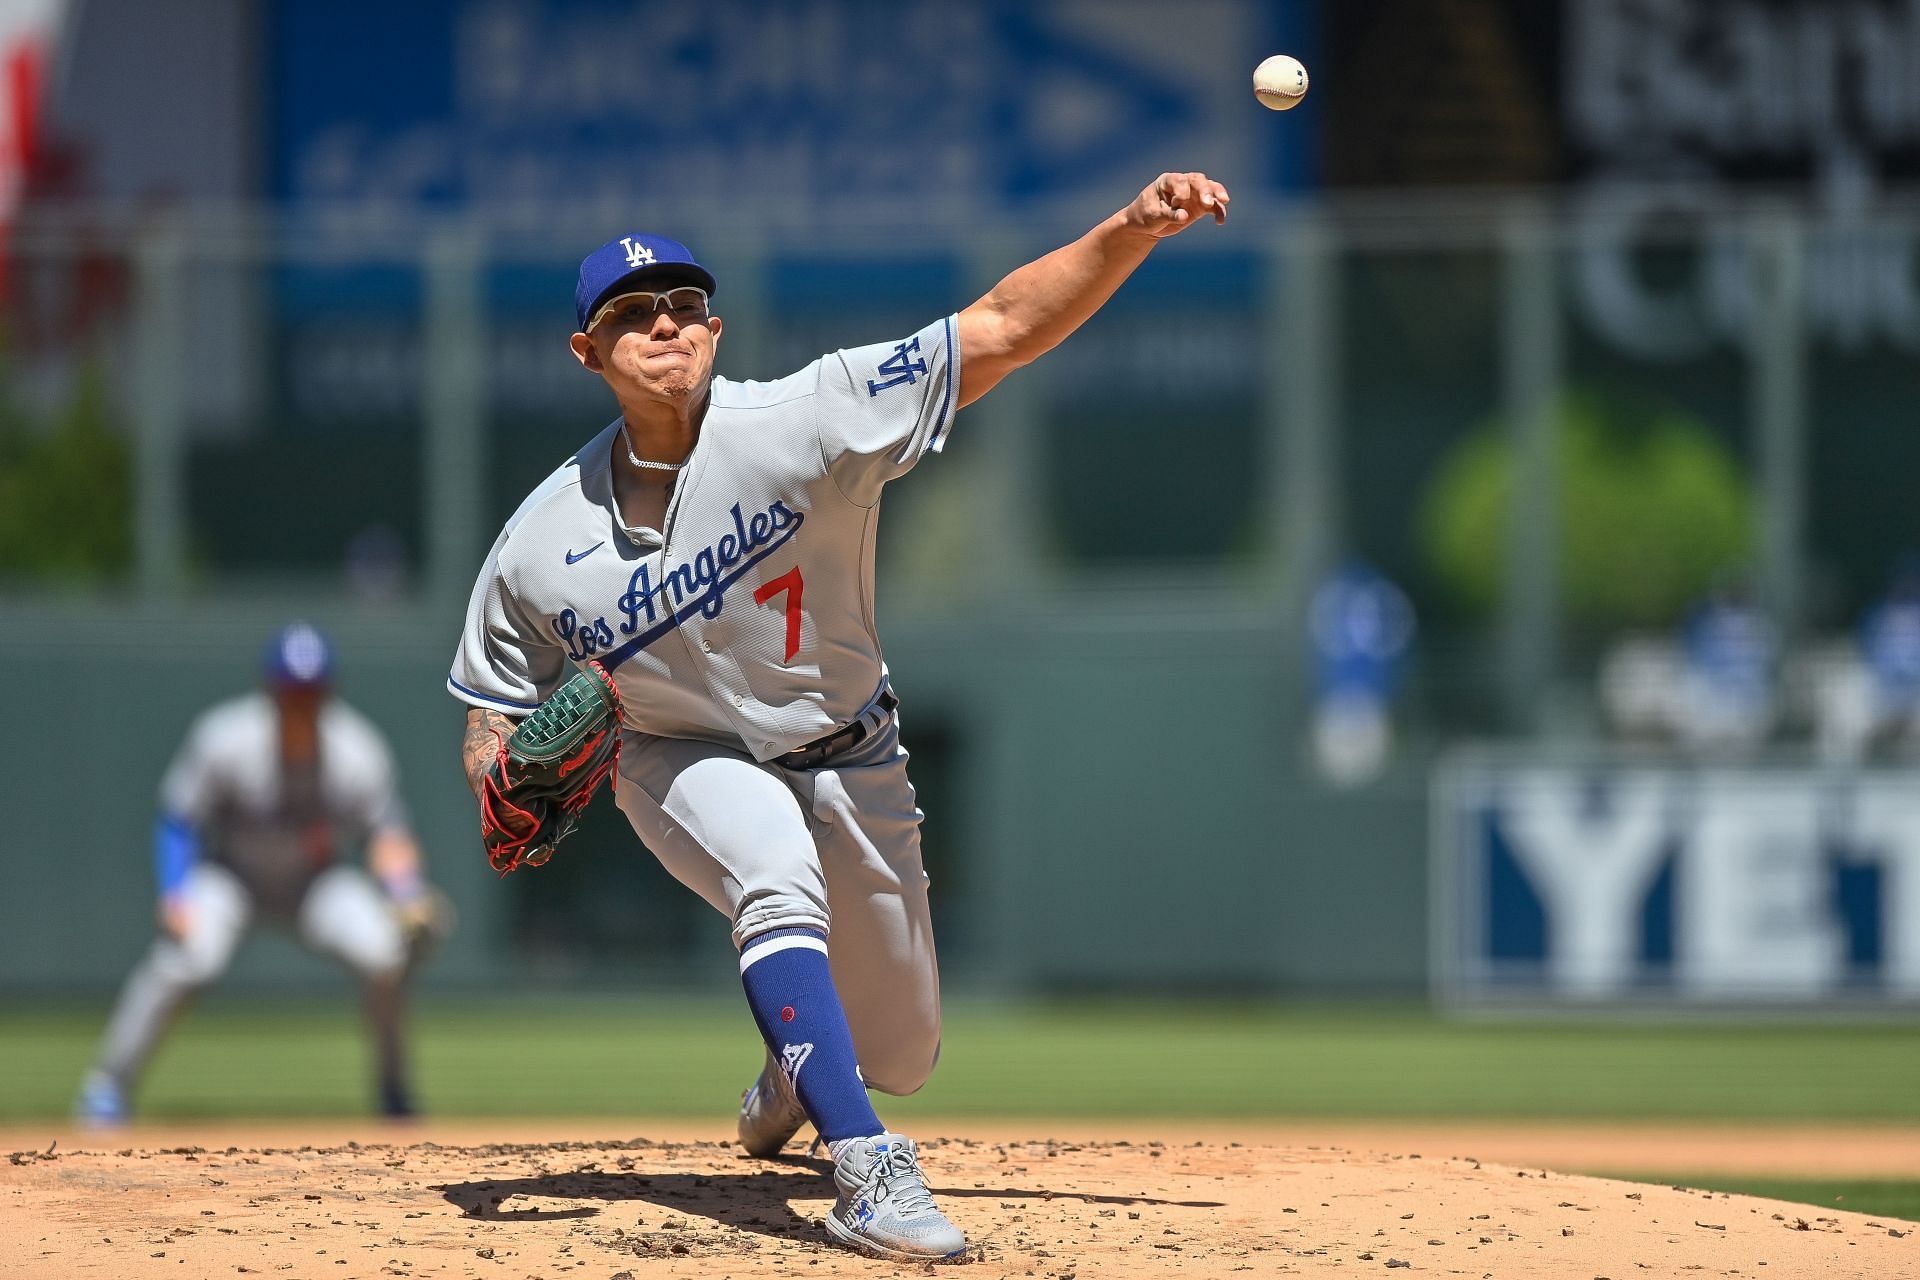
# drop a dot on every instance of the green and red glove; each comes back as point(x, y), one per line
point(544, 775)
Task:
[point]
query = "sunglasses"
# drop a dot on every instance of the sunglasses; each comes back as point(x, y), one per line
point(687, 301)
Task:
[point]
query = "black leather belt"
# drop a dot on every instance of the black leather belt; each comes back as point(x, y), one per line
point(821, 750)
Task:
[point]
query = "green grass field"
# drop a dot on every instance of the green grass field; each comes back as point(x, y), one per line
point(1880, 1197)
point(665, 1057)
point(683, 1058)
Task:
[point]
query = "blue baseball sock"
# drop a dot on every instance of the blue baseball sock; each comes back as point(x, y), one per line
point(790, 990)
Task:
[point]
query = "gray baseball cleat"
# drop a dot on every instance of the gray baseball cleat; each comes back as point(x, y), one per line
point(770, 1114)
point(884, 1207)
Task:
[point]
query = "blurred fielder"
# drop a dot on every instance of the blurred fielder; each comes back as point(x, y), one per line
point(1870, 702)
point(706, 561)
point(1362, 626)
point(254, 812)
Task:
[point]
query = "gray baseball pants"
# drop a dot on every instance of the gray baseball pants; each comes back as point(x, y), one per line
point(835, 848)
point(343, 914)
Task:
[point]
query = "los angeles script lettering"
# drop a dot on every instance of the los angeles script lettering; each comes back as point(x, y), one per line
point(698, 580)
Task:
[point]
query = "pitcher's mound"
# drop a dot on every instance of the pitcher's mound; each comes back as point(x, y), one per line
point(1105, 1210)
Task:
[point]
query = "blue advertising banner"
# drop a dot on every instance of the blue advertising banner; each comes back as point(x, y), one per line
point(819, 153)
point(1607, 883)
point(921, 110)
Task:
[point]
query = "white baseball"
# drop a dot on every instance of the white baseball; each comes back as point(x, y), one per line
point(1280, 82)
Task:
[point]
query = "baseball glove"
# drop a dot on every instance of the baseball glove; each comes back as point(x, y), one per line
point(426, 922)
point(544, 775)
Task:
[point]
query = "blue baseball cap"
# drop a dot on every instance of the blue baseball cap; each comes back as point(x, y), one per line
point(299, 656)
point(619, 264)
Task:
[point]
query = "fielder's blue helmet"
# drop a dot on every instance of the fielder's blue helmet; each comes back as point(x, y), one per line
point(299, 656)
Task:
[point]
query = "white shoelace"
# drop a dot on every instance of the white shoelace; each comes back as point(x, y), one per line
point(901, 1178)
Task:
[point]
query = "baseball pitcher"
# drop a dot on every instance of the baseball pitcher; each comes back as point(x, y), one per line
point(686, 606)
point(255, 809)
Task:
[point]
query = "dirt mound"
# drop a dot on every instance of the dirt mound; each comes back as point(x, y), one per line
point(1046, 1208)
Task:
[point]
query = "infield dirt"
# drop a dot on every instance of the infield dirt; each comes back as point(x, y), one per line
point(460, 1200)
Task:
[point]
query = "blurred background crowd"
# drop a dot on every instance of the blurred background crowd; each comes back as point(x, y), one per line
point(1533, 448)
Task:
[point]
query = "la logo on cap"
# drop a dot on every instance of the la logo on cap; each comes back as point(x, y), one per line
point(638, 255)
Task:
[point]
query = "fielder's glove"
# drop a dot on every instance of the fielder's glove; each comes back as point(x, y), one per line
point(426, 919)
point(544, 775)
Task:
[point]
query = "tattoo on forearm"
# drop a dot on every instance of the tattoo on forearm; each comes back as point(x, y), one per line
point(486, 730)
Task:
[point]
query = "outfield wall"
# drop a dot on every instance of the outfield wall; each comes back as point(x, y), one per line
point(1111, 806)
point(1108, 808)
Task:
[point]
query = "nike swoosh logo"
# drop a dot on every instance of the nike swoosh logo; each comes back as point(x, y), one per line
point(576, 559)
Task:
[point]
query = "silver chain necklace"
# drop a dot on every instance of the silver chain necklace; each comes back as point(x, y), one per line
point(638, 461)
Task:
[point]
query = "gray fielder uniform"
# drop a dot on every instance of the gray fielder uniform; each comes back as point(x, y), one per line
point(270, 841)
point(740, 633)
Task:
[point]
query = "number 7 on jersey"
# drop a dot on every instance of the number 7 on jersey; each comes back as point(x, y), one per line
point(794, 585)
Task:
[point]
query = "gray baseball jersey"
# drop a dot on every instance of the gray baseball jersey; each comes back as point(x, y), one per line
point(276, 828)
point(748, 621)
